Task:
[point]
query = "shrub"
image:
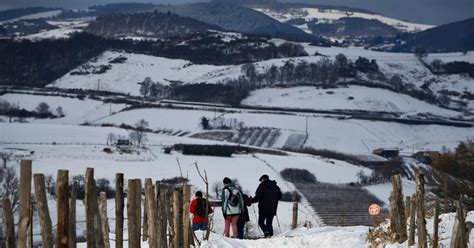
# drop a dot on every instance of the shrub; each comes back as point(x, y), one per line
point(291, 196)
point(298, 175)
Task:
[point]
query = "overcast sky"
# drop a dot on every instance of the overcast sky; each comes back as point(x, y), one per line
point(423, 11)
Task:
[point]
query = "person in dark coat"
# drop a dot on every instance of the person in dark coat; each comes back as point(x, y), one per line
point(267, 195)
point(244, 216)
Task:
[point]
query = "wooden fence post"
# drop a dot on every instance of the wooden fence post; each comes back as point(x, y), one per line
point(25, 204)
point(446, 196)
point(145, 234)
point(119, 207)
point(62, 198)
point(89, 192)
point(420, 220)
point(150, 200)
point(134, 213)
point(186, 224)
point(163, 209)
point(72, 216)
point(407, 207)
point(9, 223)
point(294, 222)
point(93, 223)
point(43, 211)
point(398, 220)
point(177, 218)
point(411, 232)
point(103, 218)
point(459, 237)
point(435, 224)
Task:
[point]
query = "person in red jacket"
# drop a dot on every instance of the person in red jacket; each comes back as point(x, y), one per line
point(198, 209)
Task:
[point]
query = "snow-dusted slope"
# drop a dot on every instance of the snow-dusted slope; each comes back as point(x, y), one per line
point(40, 15)
point(76, 111)
point(353, 97)
point(124, 77)
point(66, 28)
point(330, 15)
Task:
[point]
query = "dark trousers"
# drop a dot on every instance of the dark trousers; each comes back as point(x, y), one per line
point(240, 230)
point(265, 223)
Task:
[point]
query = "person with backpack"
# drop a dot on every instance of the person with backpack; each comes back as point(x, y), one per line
point(244, 216)
point(267, 195)
point(232, 205)
point(198, 209)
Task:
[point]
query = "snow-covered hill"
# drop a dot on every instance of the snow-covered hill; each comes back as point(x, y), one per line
point(331, 15)
point(353, 98)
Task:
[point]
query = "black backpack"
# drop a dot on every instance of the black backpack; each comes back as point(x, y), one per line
point(201, 207)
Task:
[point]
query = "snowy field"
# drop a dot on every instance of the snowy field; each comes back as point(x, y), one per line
point(352, 98)
point(65, 30)
point(330, 15)
point(124, 77)
point(40, 15)
point(76, 111)
point(360, 136)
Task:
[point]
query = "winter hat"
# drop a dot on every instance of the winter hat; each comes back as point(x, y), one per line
point(264, 177)
point(227, 180)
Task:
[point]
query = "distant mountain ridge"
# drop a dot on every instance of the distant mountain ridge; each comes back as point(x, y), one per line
point(237, 18)
point(149, 24)
point(6, 15)
point(453, 37)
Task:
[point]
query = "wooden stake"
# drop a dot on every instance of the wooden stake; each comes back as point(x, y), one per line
point(177, 219)
point(119, 207)
point(420, 220)
point(134, 213)
point(25, 204)
point(145, 214)
point(459, 237)
point(9, 223)
point(62, 195)
point(398, 221)
point(435, 225)
point(446, 196)
point(407, 206)
point(72, 217)
point(150, 199)
point(103, 218)
point(163, 217)
point(43, 211)
point(186, 224)
point(411, 233)
point(294, 222)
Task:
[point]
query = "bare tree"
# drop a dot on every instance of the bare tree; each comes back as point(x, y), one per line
point(139, 134)
point(43, 108)
point(111, 139)
point(59, 111)
point(9, 186)
point(5, 157)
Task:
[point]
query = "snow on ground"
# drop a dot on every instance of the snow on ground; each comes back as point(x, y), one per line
point(330, 15)
point(65, 30)
point(325, 170)
point(360, 136)
point(382, 191)
point(353, 97)
point(188, 120)
point(40, 15)
point(76, 111)
point(124, 77)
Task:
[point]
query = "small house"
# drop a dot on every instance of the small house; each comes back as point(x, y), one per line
point(123, 142)
point(387, 153)
point(426, 157)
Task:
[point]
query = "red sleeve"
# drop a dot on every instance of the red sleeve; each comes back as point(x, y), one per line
point(192, 207)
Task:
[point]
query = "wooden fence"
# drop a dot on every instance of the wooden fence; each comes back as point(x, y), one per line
point(412, 209)
point(157, 214)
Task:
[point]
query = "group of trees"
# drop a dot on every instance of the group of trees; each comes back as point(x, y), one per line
point(324, 72)
point(42, 111)
point(454, 170)
point(153, 90)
